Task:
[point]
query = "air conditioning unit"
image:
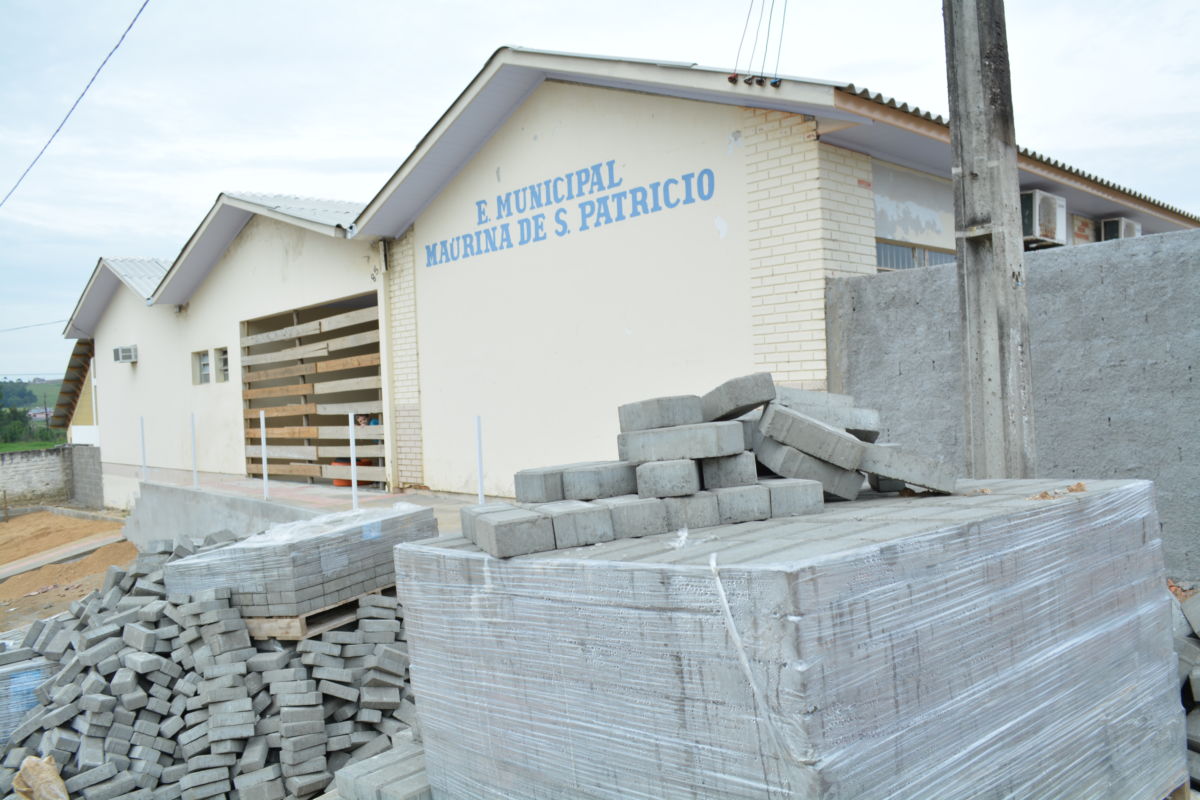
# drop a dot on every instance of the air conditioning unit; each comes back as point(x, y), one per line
point(1119, 228)
point(125, 355)
point(1043, 218)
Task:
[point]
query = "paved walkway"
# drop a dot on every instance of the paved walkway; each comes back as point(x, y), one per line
point(321, 497)
point(66, 552)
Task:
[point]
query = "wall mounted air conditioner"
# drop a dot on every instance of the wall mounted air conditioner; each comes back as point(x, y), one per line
point(1043, 218)
point(1119, 228)
point(125, 355)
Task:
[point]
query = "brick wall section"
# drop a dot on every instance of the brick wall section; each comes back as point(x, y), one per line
point(406, 384)
point(86, 476)
point(811, 216)
point(36, 476)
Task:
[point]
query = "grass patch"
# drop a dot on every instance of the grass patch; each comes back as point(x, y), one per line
point(47, 393)
point(16, 447)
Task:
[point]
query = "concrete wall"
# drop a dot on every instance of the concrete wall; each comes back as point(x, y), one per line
point(545, 339)
point(36, 476)
point(178, 513)
point(271, 267)
point(54, 475)
point(1116, 366)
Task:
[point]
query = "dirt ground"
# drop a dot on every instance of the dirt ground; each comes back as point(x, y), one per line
point(45, 591)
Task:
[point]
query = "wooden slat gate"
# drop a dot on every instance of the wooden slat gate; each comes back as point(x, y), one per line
point(306, 371)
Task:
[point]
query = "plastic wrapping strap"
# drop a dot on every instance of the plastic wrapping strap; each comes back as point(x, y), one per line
point(764, 712)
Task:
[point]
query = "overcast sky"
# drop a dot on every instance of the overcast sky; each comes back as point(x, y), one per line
point(327, 98)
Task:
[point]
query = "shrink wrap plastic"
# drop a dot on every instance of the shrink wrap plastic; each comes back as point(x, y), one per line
point(986, 645)
point(302, 566)
point(18, 683)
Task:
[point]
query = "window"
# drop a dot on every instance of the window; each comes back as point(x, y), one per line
point(201, 371)
point(889, 256)
point(222, 364)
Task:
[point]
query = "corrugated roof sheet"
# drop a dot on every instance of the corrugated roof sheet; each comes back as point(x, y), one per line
point(890, 102)
point(313, 209)
point(142, 275)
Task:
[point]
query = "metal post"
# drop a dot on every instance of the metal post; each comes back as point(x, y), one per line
point(262, 438)
point(195, 471)
point(479, 455)
point(142, 435)
point(991, 275)
point(353, 466)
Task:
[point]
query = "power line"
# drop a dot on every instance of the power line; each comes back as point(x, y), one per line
point(76, 103)
point(34, 325)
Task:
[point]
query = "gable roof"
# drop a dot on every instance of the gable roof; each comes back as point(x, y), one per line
point(78, 365)
point(140, 275)
point(225, 220)
point(847, 116)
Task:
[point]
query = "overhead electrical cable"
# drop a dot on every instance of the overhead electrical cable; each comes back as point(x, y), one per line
point(757, 30)
point(738, 59)
point(34, 325)
point(762, 70)
point(76, 103)
point(779, 49)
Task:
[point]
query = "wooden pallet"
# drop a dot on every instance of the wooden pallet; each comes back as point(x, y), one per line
point(1182, 792)
point(313, 623)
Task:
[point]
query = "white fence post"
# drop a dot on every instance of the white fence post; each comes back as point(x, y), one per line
point(479, 454)
point(262, 440)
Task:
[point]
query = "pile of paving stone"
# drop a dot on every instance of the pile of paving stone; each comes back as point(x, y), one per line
point(1187, 647)
point(746, 451)
point(161, 696)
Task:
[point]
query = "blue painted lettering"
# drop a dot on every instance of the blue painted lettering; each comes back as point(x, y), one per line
point(688, 197)
point(504, 205)
point(668, 201)
point(619, 199)
point(431, 251)
point(613, 180)
point(603, 215)
point(560, 222)
point(637, 201)
point(587, 210)
point(481, 215)
point(704, 184)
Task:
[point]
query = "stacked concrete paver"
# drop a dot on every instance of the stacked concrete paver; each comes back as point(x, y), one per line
point(746, 451)
point(165, 696)
point(1009, 640)
point(1187, 647)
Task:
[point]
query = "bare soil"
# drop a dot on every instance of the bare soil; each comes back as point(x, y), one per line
point(45, 591)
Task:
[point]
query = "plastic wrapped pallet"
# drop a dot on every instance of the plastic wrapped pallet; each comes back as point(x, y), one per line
point(18, 683)
point(1012, 641)
point(302, 566)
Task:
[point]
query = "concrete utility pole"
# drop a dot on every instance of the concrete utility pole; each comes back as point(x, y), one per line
point(987, 213)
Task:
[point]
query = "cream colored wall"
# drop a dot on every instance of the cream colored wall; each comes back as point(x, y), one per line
point(270, 267)
point(545, 340)
point(811, 217)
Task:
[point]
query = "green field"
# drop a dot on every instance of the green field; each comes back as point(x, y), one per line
point(47, 393)
point(16, 447)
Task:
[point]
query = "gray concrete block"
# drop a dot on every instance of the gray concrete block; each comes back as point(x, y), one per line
point(380, 697)
point(539, 484)
point(704, 440)
point(791, 463)
point(270, 790)
point(504, 534)
point(593, 481)
point(668, 478)
point(811, 436)
point(736, 470)
point(794, 497)
point(577, 523)
point(660, 412)
point(633, 516)
point(891, 461)
point(837, 410)
point(468, 514)
point(118, 786)
point(699, 510)
point(743, 503)
point(736, 396)
point(91, 777)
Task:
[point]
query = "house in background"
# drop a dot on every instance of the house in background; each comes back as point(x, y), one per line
point(573, 233)
point(267, 291)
